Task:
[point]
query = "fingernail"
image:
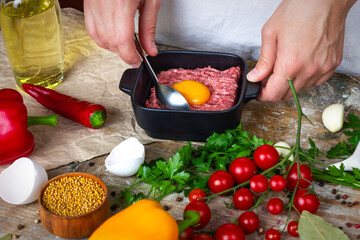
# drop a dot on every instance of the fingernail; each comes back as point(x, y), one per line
point(252, 75)
point(154, 46)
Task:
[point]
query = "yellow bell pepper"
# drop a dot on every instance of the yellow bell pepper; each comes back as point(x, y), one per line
point(145, 219)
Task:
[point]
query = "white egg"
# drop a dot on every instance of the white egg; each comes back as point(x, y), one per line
point(125, 159)
point(333, 117)
point(282, 151)
point(22, 181)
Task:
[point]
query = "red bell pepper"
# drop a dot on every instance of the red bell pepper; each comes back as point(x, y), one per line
point(15, 140)
point(88, 114)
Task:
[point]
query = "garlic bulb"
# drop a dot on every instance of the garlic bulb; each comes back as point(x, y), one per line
point(125, 159)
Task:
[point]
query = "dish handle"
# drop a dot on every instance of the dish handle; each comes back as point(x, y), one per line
point(127, 81)
point(252, 90)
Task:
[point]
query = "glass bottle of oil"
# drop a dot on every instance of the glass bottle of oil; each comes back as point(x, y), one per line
point(33, 37)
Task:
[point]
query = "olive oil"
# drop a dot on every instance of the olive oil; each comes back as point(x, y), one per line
point(33, 37)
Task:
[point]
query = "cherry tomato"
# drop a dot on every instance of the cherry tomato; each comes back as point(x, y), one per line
point(204, 211)
point(306, 201)
point(195, 194)
point(277, 183)
point(249, 222)
point(187, 234)
point(293, 177)
point(220, 181)
point(259, 183)
point(272, 234)
point(202, 236)
point(243, 199)
point(292, 228)
point(275, 206)
point(266, 156)
point(229, 231)
point(242, 169)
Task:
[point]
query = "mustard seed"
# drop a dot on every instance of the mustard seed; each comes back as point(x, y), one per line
point(73, 196)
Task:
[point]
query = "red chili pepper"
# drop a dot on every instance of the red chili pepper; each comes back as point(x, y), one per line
point(15, 140)
point(88, 114)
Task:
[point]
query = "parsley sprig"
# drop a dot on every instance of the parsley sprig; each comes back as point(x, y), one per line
point(340, 151)
point(190, 167)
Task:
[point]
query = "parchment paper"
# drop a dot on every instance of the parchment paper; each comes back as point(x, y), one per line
point(92, 74)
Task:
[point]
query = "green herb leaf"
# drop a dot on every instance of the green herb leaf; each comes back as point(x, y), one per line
point(181, 177)
point(6, 237)
point(316, 228)
point(127, 196)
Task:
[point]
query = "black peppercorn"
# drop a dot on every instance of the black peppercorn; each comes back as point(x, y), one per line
point(343, 202)
point(91, 164)
point(321, 183)
point(179, 199)
point(338, 196)
point(20, 226)
point(166, 208)
point(113, 193)
point(350, 204)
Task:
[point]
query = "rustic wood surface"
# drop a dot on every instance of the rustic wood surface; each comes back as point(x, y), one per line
point(272, 121)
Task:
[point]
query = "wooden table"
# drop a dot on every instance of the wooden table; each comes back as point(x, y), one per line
point(272, 121)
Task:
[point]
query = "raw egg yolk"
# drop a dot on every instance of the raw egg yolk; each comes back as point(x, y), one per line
point(194, 92)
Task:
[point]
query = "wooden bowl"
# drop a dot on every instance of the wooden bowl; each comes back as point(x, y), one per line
point(75, 226)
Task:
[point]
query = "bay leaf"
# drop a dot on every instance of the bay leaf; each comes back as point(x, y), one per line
point(312, 227)
point(6, 237)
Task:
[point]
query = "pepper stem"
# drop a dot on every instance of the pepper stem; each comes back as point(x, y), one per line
point(97, 119)
point(191, 218)
point(47, 120)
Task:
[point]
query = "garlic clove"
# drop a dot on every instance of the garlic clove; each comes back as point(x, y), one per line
point(125, 159)
point(333, 117)
point(22, 181)
point(282, 151)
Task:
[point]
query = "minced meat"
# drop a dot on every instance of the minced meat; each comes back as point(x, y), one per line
point(223, 86)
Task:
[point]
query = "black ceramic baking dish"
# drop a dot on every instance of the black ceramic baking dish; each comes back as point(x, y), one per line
point(181, 124)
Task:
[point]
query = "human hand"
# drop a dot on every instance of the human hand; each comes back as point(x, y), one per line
point(110, 23)
point(303, 40)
